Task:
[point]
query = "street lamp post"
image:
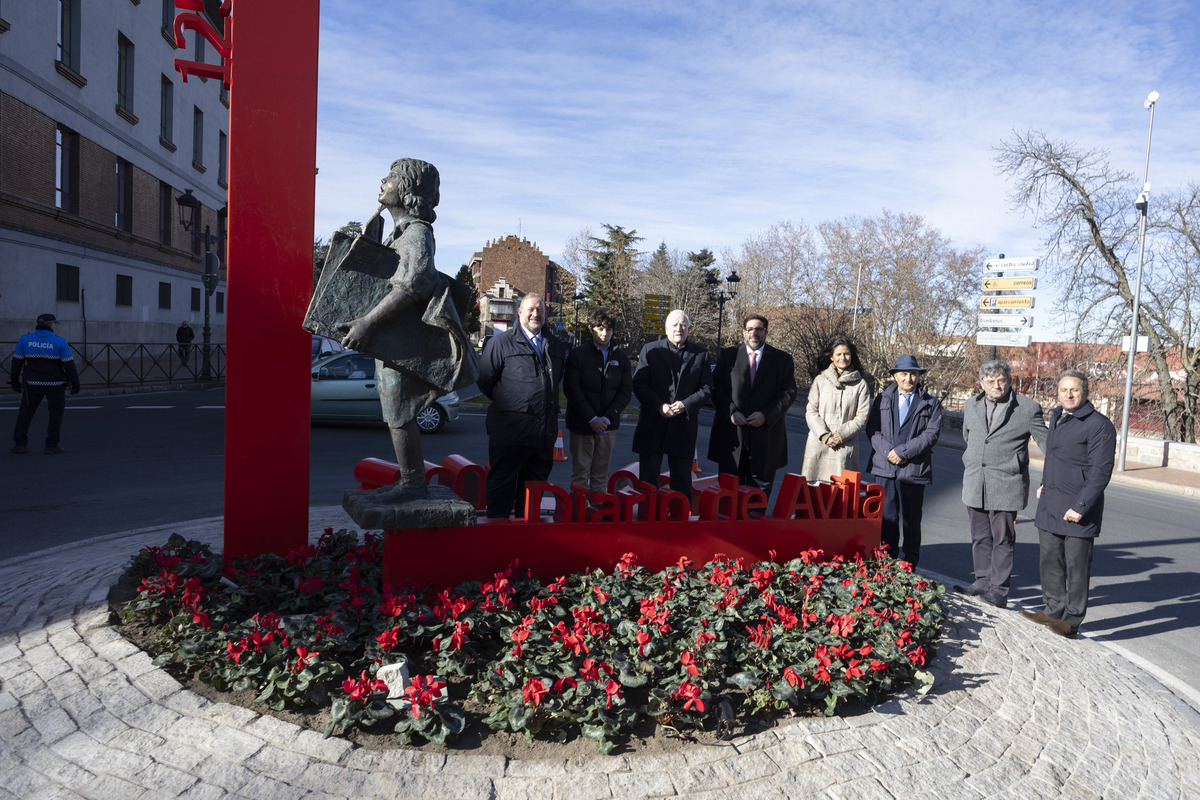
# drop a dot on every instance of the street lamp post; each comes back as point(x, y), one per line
point(575, 302)
point(1142, 204)
point(722, 296)
point(189, 212)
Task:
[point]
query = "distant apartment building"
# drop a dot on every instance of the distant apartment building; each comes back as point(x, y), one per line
point(506, 270)
point(98, 136)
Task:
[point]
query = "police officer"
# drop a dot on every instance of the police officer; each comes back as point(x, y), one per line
point(45, 362)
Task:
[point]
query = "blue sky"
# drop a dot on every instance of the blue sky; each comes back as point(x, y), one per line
point(701, 123)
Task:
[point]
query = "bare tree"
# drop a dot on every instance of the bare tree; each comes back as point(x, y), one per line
point(1087, 209)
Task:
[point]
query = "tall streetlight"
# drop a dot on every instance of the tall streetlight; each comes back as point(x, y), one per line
point(189, 214)
point(575, 302)
point(722, 296)
point(1142, 204)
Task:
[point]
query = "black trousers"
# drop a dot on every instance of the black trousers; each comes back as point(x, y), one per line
point(1066, 569)
point(512, 466)
point(902, 502)
point(31, 398)
point(650, 466)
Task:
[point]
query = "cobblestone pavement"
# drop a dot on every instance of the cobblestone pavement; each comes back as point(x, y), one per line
point(1016, 712)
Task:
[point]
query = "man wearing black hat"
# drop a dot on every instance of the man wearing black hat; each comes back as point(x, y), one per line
point(904, 425)
point(48, 366)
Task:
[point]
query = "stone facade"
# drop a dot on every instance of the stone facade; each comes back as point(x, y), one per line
point(507, 269)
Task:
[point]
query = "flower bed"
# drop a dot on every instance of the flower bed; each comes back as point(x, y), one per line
point(592, 654)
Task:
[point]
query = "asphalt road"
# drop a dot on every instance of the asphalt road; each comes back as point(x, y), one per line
point(134, 461)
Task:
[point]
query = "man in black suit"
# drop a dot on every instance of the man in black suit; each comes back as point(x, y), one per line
point(753, 386)
point(598, 384)
point(520, 372)
point(672, 383)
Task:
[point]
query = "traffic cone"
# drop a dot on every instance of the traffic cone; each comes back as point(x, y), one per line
point(695, 461)
point(559, 455)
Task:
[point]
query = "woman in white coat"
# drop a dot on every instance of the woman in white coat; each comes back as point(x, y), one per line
point(838, 403)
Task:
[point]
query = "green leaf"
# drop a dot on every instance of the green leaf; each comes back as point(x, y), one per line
point(747, 679)
point(922, 681)
point(518, 718)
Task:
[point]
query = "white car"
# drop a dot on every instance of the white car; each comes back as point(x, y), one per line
point(343, 388)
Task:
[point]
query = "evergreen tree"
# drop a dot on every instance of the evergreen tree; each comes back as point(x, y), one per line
point(471, 320)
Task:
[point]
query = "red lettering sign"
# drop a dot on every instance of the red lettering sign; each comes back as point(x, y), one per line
point(223, 42)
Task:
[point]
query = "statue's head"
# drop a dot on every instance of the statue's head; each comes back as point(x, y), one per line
point(417, 187)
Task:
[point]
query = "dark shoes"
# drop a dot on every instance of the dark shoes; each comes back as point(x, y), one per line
point(991, 598)
point(1063, 629)
point(19, 449)
point(53, 450)
point(994, 599)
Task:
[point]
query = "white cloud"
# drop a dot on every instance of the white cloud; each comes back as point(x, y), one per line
point(702, 123)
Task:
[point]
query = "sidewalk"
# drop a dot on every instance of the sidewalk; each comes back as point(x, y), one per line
point(1016, 712)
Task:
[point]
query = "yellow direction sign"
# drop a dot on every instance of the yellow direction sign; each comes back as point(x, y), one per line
point(1009, 283)
point(1021, 301)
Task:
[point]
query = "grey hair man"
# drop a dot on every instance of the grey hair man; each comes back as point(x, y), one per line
point(997, 425)
point(672, 383)
point(1080, 449)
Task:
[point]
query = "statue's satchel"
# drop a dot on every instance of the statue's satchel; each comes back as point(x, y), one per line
point(356, 276)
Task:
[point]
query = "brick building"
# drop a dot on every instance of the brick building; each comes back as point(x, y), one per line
point(506, 270)
point(98, 136)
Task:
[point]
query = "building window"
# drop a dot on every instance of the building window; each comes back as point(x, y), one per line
point(67, 290)
point(164, 294)
point(195, 298)
point(165, 219)
point(124, 290)
point(223, 159)
point(197, 138)
point(123, 211)
point(68, 33)
point(166, 110)
point(168, 17)
point(124, 72)
point(66, 169)
point(220, 302)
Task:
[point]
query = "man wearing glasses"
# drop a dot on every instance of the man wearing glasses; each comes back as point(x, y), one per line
point(753, 386)
point(997, 424)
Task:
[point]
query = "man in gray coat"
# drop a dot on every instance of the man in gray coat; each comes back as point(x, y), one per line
point(997, 424)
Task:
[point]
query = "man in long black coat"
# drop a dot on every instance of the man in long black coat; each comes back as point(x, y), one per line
point(749, 437)
point(672, 383)
point(1080, 450)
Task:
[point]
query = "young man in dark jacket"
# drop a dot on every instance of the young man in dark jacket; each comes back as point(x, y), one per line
point(598, 384)
point(904, 425)
point(1080, 450)
point(520, 372)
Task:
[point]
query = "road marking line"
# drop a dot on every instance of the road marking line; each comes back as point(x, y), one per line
point(149, 406)
point(210, 406)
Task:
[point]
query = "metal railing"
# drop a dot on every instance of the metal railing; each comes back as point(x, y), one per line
point(117, 365)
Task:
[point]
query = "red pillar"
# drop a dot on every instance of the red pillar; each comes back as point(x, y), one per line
point(272, 168)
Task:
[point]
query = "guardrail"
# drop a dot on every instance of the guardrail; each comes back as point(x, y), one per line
point(129, 365)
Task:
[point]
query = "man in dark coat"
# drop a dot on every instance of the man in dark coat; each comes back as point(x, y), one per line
point(598, 384)
point(997, 424)
point(903, 426)
point(520, 372)
point(753, 386)
point(1080, 450)
point(672, 383)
